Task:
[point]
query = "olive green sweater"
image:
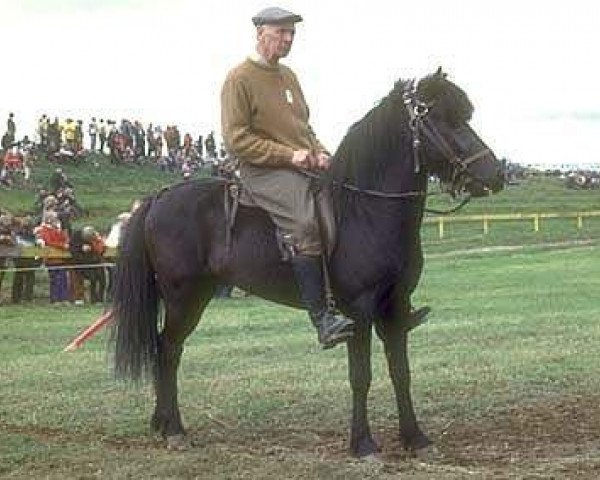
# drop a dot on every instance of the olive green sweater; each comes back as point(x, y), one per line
point(264, 116)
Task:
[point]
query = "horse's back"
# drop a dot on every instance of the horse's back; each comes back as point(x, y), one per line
point(189, 234)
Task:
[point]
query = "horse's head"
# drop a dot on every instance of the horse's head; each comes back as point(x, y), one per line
point(440, 113)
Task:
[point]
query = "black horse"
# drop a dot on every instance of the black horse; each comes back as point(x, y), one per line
point(174, 251)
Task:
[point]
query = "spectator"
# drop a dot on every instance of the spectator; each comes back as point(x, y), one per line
point(93, 132)
point(43, 124)
point(210, 145)
point(103, 134)
point(7, 235)
point(78, 136)
point(150, 140)
point(59, 181)
point(7, 239)
point(11, 128)
point(24, 277)
point(113, 240)
point(49, 233)
point(187, 144)
point(70, 134)
point(116, 230)
point(200, 146)
point(87, 248)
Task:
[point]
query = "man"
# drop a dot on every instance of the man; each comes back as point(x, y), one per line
point(11, 127)
point(265, 124)
point(93, 132)
point(103, 133)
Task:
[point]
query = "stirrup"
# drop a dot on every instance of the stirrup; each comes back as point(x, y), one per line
point(344, 329)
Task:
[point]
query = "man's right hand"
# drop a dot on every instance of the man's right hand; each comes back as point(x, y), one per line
point(302, 159)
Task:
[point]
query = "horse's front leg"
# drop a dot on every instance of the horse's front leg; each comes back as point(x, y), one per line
point(359, 371)
point(395, 341)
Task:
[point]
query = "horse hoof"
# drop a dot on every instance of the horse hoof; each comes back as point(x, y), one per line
point(365, 448)
point(428, 454)
point(372, 458)
point(177, 442)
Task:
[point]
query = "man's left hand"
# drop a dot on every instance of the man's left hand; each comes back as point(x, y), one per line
point(323, 160)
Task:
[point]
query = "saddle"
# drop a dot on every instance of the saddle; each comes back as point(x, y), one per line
point(235, 194)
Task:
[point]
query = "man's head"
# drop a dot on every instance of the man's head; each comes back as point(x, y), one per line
point(275, 28)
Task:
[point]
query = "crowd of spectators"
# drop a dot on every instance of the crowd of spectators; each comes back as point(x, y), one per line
point(126, 142)
point(49, 225)
point(56, 207)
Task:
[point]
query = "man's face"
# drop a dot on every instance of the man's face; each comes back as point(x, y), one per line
point(276, 40)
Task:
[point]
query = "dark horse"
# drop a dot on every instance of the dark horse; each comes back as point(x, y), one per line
point(175, 252)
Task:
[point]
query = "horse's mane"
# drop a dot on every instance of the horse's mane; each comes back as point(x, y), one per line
point(378, 146)
point(383, 135)
point(369, 144)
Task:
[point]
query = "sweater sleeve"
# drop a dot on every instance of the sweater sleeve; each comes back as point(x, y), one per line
point(238, 134)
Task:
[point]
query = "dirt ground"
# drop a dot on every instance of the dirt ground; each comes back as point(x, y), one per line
point(557, 438)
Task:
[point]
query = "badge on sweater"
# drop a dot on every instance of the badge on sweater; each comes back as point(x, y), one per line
point(288, 96)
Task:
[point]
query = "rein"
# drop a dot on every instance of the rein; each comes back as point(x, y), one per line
point(420, 122)
point(391, 195)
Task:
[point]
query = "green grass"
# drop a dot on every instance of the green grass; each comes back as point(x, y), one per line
point(509, 328)
point(261, 401)
point(107, 190)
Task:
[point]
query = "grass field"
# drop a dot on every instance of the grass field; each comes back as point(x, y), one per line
point(506, 381)
point(505, 374)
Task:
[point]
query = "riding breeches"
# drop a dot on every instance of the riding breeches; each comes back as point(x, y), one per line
point(287, 198)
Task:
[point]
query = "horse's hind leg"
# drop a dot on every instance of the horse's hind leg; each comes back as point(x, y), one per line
point(394, 337)
point(183, 306)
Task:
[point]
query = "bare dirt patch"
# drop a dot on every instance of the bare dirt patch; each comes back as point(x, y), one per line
point(556, 437)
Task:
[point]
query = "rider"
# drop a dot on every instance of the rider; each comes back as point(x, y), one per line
point(265, 125)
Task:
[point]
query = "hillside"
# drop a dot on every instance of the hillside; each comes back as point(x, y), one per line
point(106, 190)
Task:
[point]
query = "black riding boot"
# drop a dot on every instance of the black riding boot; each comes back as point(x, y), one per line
point(332, 328)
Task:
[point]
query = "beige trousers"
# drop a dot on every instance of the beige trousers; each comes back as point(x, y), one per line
point(286, 196)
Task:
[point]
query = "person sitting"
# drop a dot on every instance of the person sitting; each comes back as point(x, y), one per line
point(25, 267)
point(87, 248)
point(265, 124)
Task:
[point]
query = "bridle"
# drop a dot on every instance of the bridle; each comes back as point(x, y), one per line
point(419, 121)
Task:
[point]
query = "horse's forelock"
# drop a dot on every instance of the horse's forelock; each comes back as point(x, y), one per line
point(436, 89)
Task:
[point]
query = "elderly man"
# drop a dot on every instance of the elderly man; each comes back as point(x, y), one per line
point(265, 125)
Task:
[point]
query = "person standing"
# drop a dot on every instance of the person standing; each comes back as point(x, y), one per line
point(103, 134)
point(93, 132)
point(265, 124)
point(210, 145)
point(11, 127)
point(49, 233)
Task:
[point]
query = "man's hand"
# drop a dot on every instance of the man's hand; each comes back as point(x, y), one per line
point(323, 160)
point(305, 159)
point(301, 159)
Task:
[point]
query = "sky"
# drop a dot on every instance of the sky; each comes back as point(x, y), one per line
point(530, 68)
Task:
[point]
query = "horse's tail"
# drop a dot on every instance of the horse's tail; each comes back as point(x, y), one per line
point(135, 302)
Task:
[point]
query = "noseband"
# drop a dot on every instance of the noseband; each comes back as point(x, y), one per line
point(419, 122)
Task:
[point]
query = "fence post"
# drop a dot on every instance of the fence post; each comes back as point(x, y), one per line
point(579, 221)
point(441, 227)
point(485, 225)
point(536, 223)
